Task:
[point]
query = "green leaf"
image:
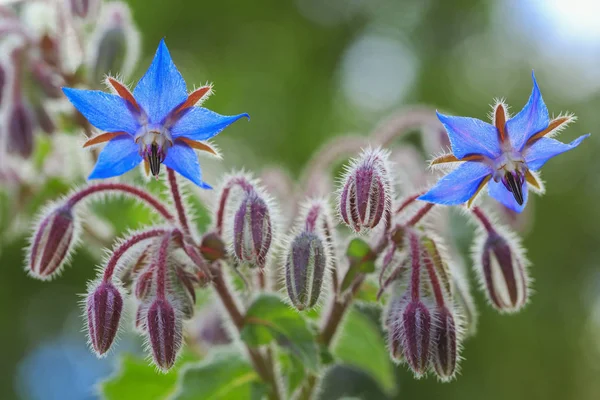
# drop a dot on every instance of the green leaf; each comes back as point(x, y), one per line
point(361, 258)
point(137, 379)
point(224, 375)
point(269, 318)
point(348, 382)
point(361, 345)
point(292, 372)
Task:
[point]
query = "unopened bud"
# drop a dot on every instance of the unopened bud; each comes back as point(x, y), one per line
point(504, 275)
point(164, 330)
point(212, 247)
point(444, 344)
point(394, 326)
point(416, 328)
point(184, 291)
point(367, 191)
point(53, 241)
point(48, 79)
point(252, 230)
point(82, 8)
point(144, 284)
point(140, 317)
point(44, 120)
point(20, 129)
point(103, 307)
point(305, 266)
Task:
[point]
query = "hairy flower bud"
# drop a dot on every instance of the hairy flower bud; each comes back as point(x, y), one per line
point(164, 331)
point(416, 328)
point(503, 274)
point(20, 129)
point(305, 266)
point(52, 243)
point(393, 323)
point(104, 306)
point(444, 344)
point(252, 230)
point(144, 284)
point(212, 247)
point(82, 8)
point(367, 191)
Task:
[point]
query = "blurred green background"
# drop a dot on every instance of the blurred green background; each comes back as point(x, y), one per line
point(306, 70)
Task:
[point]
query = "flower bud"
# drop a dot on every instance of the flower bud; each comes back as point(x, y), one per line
point(416, 328)
point(103, 307)
point(305, 266)
point(144, 284)
point(164, 331)
point(503, 273)
point(52, 243)
point(252, 230)
point(367, 191)
point(48, 79)
point(140, 317)
point(82, 8)
point(183, 290)
point(444, 344)
point(393, 323)
point(44, 120)
point(212, 247)
point(20, 129)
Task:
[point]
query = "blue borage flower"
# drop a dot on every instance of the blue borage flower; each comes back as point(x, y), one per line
point(506, 155)
point(158, 123)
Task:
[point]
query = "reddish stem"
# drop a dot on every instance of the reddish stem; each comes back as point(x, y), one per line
point(128, 244)
point(161, 262)
point(435, 282)
point(312, 216)
point(235, 181)
point(485, 221)
point(124, 188)
point(420, 214)
point(408, 201)
point(178, 201)
point(415, 279)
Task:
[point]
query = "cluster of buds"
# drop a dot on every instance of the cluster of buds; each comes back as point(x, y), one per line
point(366, 194)
point(308, 255)
point(46, 45)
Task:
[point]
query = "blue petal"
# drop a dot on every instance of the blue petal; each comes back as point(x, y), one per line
point(471, 136)
point(499, 192)
point(546, 148)
point(183, 159)
point(107, 112)
point(119, 155)
point(200, 123)
point(162, 88)
point(459, 185)
point(530, 120)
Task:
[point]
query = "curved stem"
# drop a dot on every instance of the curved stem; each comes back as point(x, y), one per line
point(420, 214)
point(146, 198)
point(485, 221)
point(128, 244)
point(408, 201)
point(415, 279)
point(161, 262)
point(178, 200)
point(234, 181)
point(404, 121)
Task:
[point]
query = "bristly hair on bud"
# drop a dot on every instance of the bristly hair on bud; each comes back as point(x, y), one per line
point(393, 322)
point(501, 265)
point(444, 344)
point(54, 238)
point(103, 308)
point(365, 195)
point(164, 327)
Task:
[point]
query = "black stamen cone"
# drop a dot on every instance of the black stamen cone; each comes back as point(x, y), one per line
point(154, 159)
point(515, 186)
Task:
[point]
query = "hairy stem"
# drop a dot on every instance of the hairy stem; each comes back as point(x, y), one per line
point(415, 255)
point(235, 181)
point(161, 262)
point(485, 221)
point(140, 194)
point(420, 214)
point(178, 201)
point(128, 244)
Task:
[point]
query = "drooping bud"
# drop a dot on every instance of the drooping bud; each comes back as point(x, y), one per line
point(52, 243)
point(104, 306)
point(183, 290)
point(252, 230)
point(164, 330)
point(366, 193)
point(82, 8)
point(48, 79)
point(144, 283)
point(394, 326)
point(212, 247)
point(44, 120)
point(503, 274)
point(20, 129)
point(444, 344)
point(416, 328)
point(305, 266)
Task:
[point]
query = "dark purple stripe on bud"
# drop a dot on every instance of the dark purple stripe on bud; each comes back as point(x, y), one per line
point(394, 325)
point(81, 8)
point(252, 231)
point(416, 327)
point(52, 243)
point(20, 130)
point(144, 284)
point(504, 274)
point(444, 344)
point(103, 307)
point(305, 269)
point(164, 331)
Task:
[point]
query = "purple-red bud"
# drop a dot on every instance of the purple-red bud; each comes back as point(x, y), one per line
point(82, 8)
point(20, 129)
point(444, 348)
point(252, 230)
point(144, 283)
point(305, 267)
point(366, 192)
point(212, 247)
point(416, 329)
point(52, 243)
point(394, 326)
point(103, 307)
point(164, 330)
point(503, 273)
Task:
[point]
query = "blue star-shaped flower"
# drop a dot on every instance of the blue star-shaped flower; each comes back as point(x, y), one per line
point(505, 156)
point(158, 123)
